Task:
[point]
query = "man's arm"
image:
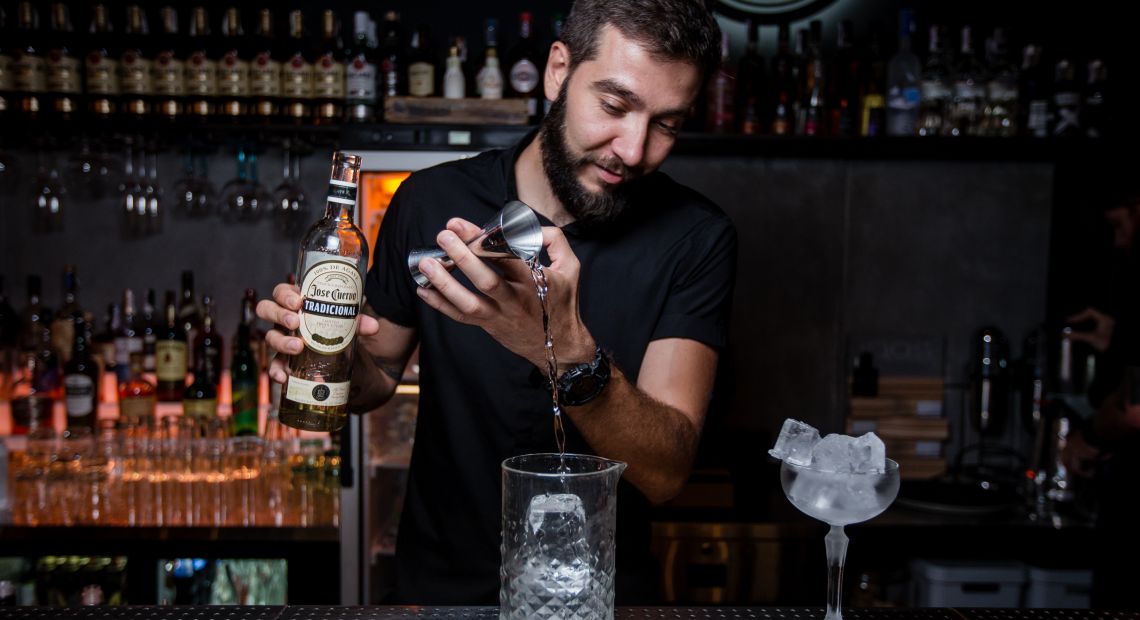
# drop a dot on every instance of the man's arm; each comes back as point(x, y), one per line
point(655, 425)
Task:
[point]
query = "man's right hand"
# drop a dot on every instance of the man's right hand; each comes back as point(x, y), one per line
point(1100, 335)
point(283, 311)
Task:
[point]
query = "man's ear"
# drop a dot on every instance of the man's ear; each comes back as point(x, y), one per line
point(557, 69)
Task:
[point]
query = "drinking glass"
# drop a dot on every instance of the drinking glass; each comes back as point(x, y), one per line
point(289, 201)
point(48, 195)
point(243, 469)
point(193, 194)
point(243, 197)
point(838, 499)
point(91, 170)
point(132, 198)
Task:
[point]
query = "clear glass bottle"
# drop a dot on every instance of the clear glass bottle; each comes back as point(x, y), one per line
point(969, 96)
point(328, 72)
point(333, 258)
point(935, 86)
point(167, 70)
point(265, 70)
point(361, 71)
point(903, 74)
point(135, 64)
point(233, 67)
point(101, 65)
point(999, 116)
point(297, 71)
point(200, 78)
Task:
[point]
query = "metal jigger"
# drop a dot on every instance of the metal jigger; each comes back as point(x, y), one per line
point(513, 232)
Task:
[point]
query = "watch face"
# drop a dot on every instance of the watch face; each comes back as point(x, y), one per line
point(585, 387)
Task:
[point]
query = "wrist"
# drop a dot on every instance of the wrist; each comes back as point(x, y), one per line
point(582, 383)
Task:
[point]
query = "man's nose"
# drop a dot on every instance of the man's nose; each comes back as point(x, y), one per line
point(629, 145)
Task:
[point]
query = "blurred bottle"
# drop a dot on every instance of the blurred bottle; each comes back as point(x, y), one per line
point(168, 69)
point(136, 393)
point(256, 334)
point(200, 65)
point(63, 327)
point(172, 353)
point(903, 74)
point(208, 345)
point(31, 403)
point(28, 65)
point(393, 79)
point(101, 65)
point(200, 398)
point(81, 381)
point(872, 101)
point(1094, 110)
point(489, 81)
point(454, 82)
point(783, 85)
point(720, 97)
point(1033, 93)
point(936, 88)
point(129, 338)
point(989, 382)
point(189, 313)
point(35, 320)
point(244, 378)
point(361, 71)
point(265, 70)
point(1000, 115)
point(329, 72)
point(750, 83)
point(105, 340)
point(135, 63)
point(524, 67)
point(296, 72)
point(151, 326)
point(63, 79)
point(421, 64)
point(233, 67)
point(969, 98)
point(799, 69)
point(9, 342)
point(843, 85)
point(1066, 112)
point(814, 82)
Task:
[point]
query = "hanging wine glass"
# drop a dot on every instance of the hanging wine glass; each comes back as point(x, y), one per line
point(48, 194)
point(289, 201)
point(152, 191)
point(131, 197)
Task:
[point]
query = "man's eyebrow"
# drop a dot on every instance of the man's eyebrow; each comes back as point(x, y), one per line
point(613, 87)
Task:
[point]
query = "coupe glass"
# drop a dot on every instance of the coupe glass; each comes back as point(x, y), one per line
point(838, 499)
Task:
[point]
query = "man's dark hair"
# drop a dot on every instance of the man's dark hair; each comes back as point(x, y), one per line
point(683, 30)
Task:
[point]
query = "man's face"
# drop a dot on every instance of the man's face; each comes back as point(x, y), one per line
point(614, 121)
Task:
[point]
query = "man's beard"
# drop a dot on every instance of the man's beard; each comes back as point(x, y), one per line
point(591, 211)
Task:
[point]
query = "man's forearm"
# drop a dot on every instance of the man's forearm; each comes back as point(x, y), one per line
point(657, 441)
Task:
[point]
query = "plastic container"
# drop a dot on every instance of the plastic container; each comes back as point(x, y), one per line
point(966, 583)
point(1059, 588)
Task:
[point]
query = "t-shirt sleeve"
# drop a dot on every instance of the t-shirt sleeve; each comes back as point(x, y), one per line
point(390, 290)
point(700, 293)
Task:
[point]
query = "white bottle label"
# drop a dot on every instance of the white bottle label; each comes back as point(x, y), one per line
point(360, 80)
point(421, 79)
point(79, 390)
point(317, 393)
point(170, 360)
point(524, 76)
point(333, 291)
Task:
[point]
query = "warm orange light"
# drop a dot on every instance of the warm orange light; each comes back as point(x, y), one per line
point(377, 189)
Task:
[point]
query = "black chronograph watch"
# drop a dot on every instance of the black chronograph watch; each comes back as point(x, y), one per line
point(583, 383)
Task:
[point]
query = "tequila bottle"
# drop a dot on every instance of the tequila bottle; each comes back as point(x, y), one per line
point(333, 257)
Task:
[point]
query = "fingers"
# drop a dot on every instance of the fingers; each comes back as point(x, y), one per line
point(283, 343)
point(562, 257)
point(435, 299)
point(366, 325)
point(287, 295)
point(463, 228)
point(277, 369)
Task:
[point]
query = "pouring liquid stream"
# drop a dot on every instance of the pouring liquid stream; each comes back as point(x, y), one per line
point(541, 286)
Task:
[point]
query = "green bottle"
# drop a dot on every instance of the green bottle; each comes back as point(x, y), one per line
point(244, 384)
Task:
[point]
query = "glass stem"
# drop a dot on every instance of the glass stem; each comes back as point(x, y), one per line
point(836, 543)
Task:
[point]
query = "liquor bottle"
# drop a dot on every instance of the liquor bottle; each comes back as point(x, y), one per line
point(872, 81)
point(134, 64)
point(328, 72)
point(1033, 94)
point(201, 66)
point(31, 403)
point(136, 394)
point(28, 66)
point(233, 67)
point(1093, 108)
point(799, 68)
point(189, 312)
point(814, 82)
point(903, 73)
point(9, 341)
point(1066, 113)
point(936, 87)
point(750, 83)
point(105, 340)
point(256, 334)
point(35, 319)
point(167, 71)
point(843, 87)
point(128, 340)
point(200, 398)
point(63, 327)
point(461, 52)
point(244, 379)
point(5, 65)
point(101, 70)
point(171, 355)
point(999, 116)
point(783, 85)
point(489, 81)
point(720, 97)
point(454, 82)
point(334, 254)
point(208, 345)
point(361, 71)
point(969, 95)
point(393, 78)
point(81, 379)
point(421, 64)
point(265, 70)
point(297, 72)
point(523, 62)
point(150, 327)
point(62, 79)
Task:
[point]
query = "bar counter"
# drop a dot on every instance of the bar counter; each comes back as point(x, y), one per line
point(300, 612)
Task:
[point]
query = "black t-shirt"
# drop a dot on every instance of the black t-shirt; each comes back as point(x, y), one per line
point(666, 271)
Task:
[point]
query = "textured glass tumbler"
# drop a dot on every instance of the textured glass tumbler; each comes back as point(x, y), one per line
point(559, 517)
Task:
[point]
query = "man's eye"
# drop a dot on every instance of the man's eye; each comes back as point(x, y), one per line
point(669, 127)
point(610, 108)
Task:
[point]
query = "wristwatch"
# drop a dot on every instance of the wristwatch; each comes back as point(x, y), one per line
point(583, 383)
